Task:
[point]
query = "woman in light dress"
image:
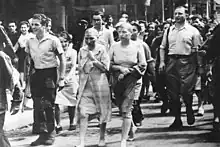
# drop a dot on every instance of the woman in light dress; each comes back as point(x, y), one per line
point(94, 99)
point(67, 95)
point(128, 64)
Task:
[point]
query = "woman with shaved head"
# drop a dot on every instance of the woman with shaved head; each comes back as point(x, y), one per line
point(128, 64)
point(94, 94)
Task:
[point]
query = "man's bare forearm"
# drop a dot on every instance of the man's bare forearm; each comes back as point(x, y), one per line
point(162, 56)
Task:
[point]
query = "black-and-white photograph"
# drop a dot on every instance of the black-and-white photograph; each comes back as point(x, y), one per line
point(110, 73)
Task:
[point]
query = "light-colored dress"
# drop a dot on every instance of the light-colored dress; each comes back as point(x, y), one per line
point(128, 89)
point(94, 93)
point(67, 96)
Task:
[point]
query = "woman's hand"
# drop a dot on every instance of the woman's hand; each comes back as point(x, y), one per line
point(120, 77)
point(91, 56)
point(124, 70)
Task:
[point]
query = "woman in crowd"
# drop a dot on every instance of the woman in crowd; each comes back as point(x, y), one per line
point(67, 95)
point(94, 99)
point(138, 116)
point(20, 52)
point(20, 46)
point(128, 65)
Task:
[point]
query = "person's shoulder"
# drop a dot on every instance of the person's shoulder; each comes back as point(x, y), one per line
point(115, 44)
point(100, 47)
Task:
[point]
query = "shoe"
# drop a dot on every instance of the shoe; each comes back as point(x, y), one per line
point(58, 129)
point(40, 140)
point(216, 125)
point(190, 116)
point(201, 111)
point(123, 143)
point(72, 127)
point(50, 138)
point(164, 109)
point(49, 141)
point(177, 124)
point(131, 133)
point(101, 143)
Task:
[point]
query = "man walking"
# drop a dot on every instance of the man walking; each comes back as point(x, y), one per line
point(43, 50)
point(183, 41)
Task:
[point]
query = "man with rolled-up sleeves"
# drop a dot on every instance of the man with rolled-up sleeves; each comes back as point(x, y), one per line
point(181, 65)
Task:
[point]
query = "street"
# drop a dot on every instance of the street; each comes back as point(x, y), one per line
point(153, 133)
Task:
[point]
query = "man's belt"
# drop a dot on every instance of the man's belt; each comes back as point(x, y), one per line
point(176, 56)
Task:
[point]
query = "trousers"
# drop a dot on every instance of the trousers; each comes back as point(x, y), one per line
point(43, 89)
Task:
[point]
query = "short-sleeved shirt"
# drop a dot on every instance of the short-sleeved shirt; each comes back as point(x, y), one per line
point(44, 52)
point(181, 41)
point(128, 56)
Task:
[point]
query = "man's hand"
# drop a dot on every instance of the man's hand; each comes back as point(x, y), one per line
point(161, 67)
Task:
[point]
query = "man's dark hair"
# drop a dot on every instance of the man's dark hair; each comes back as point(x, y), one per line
point(98, 13)
point(24, 23)
point(137, 25)
point(12, 21)
point(43, 18)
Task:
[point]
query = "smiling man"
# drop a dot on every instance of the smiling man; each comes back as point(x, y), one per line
point(44, 49)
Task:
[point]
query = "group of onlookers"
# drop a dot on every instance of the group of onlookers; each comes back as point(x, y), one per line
point(105, 64)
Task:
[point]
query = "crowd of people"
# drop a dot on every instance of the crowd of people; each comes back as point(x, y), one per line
point(108, 65)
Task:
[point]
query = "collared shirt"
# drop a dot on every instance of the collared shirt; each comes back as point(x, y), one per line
point(44, 52)
point(181, 41)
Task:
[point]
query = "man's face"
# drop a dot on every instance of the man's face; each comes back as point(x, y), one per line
point(110, 20)
point(134, 33)
point(180, 15)
point(90, 38)
point(12, 27)
point(97, 20)
point(24, 28)
point(37, 26)
point(151, 28)
point(142, 27)
point(49, 26)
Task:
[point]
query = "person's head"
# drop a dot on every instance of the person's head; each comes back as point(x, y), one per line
point(135, 30)
point(65, 39)
point(97, 19)
point(165, 26)
point(125, 16)
point(49, 24)
point(12, 26)
point(125, 31)
point(83, 24)
point(109, 19)
point(24, 27)
point(91, 35)
point(180, 14)
point(142, 25)
point(39, 23)
point(151, 28)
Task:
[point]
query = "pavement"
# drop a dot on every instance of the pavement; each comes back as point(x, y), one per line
point(154, 131)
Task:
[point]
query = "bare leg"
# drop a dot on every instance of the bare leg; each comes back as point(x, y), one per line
point(57, 114)
point(126, 124)
point(82, 128)
point(102, 134)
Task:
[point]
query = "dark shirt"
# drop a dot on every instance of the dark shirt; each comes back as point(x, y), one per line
point(14, 37)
